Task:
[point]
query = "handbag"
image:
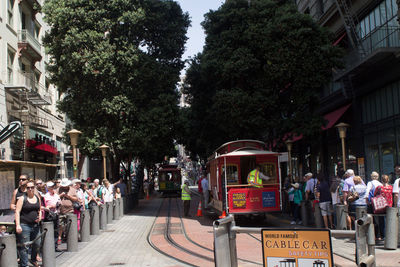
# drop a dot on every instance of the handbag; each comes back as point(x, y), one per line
point(353, 196)
point(76, 205)
point(50, 216)
point(379, 204)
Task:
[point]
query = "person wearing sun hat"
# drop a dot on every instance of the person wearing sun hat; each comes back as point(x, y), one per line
point(298, 197)
point(67, 195)
point(52, 201)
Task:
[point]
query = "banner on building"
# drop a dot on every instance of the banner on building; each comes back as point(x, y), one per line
point(297, 248)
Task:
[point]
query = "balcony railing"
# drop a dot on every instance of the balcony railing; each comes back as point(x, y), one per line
point(25, 37)
point(382, 37)
point(26, 83)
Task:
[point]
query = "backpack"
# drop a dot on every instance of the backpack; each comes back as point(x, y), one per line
point(99, 191)
point(371, 193)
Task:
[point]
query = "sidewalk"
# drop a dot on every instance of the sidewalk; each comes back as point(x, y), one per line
point(124, 243)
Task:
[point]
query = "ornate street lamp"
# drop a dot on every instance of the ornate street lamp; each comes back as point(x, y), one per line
point(289, 145)
point(73, 135)
point(342, 127)
point(104, 150)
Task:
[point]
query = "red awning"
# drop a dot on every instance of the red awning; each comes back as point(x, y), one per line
point(339, 39)
point(41, 146)
point(331, 117)
point(334, 116)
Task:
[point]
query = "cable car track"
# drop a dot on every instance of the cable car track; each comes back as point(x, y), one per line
point(201, 246)
point(155, 247)
point(173, 243)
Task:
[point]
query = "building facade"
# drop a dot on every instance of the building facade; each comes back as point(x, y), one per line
point(27, 96)
point(364, 94)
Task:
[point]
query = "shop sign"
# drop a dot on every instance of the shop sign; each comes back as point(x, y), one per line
point(297, 248)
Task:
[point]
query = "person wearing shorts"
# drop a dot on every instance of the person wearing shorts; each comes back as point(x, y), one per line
point(325, 201)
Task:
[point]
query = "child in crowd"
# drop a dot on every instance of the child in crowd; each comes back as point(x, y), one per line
point(3, 230)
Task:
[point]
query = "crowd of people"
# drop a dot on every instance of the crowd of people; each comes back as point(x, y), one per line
point(35, 201)
point(350, 190)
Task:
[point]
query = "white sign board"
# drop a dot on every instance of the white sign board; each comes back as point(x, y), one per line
point(7, 184)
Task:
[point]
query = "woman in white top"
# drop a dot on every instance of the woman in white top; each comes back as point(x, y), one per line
point(371, 186)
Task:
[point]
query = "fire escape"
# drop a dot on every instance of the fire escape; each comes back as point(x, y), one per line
point(350, 21)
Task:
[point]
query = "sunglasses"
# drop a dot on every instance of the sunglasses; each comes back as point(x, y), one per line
point(30, 187)
point(57, 182)
point(23, 179)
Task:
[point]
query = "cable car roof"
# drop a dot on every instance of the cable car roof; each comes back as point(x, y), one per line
point(241, 141)
point(248, 153)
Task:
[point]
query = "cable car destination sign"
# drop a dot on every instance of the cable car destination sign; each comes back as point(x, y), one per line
point(297, 248)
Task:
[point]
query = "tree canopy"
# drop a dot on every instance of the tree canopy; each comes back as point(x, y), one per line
point(258, 77)
point(117, 63)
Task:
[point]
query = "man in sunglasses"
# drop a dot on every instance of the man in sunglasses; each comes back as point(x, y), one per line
point(20, 191)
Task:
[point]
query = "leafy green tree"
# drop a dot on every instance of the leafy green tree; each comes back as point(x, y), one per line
point(117, 63)
point(259, 75)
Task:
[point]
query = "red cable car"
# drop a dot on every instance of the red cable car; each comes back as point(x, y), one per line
point(227, 171)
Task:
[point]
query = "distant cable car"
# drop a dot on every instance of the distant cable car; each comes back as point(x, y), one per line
point(169, 179)
point(228, 169)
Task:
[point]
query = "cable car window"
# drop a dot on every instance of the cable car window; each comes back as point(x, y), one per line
point(231, 174)
point(269, 169)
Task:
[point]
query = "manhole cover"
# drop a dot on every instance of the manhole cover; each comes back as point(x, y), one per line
point(117, 264)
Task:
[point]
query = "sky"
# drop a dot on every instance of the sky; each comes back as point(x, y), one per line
point(196, 10)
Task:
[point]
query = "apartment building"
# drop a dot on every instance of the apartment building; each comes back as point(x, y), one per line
point(26, 95)
point(365, 94)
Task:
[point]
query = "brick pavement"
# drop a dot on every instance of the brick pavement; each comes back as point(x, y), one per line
point(124, 242)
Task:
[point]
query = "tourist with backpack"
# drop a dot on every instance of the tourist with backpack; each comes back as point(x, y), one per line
point(371, 187)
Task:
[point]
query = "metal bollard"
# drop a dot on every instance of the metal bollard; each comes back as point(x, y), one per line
point(360, 211)
point(304, 216)
point(121, 207)
point(72, 238)
point(85, 226)
point(103, 216)
point(8, 251)
point(318, 216)
point(398, 234)
point(125, 204)
point(94, 221)
point(115, 205)
point(109, 212)
point(341, 214)
point(391, 231)
point(49, 255)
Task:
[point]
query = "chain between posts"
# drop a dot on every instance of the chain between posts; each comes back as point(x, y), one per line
point(30, 243)
point(2, 247)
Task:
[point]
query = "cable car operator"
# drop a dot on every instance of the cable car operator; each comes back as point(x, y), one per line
point(255, 177)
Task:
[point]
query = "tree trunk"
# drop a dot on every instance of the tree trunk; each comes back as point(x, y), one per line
point(115, 164)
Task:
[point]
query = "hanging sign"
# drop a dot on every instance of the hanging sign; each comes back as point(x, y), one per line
point(297, 248)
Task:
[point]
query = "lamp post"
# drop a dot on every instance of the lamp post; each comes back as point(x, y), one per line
point(104, 149)
point(289, 144)
point(342, 127)
point(73, 135)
